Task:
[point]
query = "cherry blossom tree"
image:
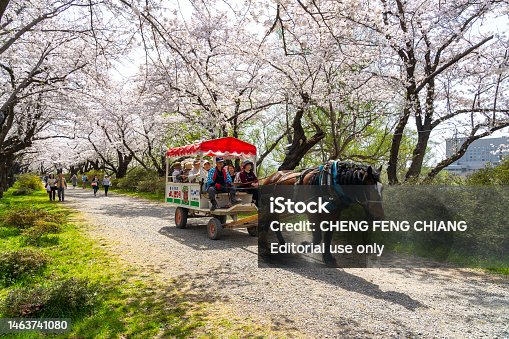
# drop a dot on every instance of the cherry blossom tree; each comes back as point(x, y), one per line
point(195, 63)
point(33, 72)
point(429, 53)
point(48, 50)
point(304, 79)
point(329, 97)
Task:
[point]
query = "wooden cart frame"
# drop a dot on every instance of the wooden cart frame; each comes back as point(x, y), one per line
point(191, 199)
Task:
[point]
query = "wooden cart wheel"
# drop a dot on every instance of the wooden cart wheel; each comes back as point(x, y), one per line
point(253, 231)
point(214, 227)
point(181, 217)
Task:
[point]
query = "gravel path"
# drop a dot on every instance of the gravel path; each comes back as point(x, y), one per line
point(315, 302)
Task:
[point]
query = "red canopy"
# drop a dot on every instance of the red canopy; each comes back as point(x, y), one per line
point(228, 146)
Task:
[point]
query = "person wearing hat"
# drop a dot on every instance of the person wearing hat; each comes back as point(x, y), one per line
point(204, 175)
point(248, 180)
point(188, 166)
point(177, 169)
point(219, 180)
point(206, 168)
point(194, 174)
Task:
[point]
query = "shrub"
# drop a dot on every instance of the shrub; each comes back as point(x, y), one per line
point(29, 181)
point(125, 183)
point(65, 298)
point(23, 191)
point(154, 186)
point(71, 296)
point(90, 174)
point(498, 175)
point(34, 235)
point(446, 178)
point(141, 180)
point(483, 176)
point(27, 217)
point(24, 302)
point(139, 174)
point(114, 182)
point(21, 263)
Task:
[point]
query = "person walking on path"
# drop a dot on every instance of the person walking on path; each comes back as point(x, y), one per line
point(84, 180)
point(61, 186)
point(50, 186)
point(106, 184)
point(74, 180)
point(95, 184)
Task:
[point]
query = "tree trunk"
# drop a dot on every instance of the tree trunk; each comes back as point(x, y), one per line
point(408, 57)
point(123, 164)
point(418, 154)
point(300, 144)
point(95, 165)
point(444, 163)
point(3, 178)
point(73, 170)
point(3, 7)
point(6, 165)
point(161, 170)
point(392, 168)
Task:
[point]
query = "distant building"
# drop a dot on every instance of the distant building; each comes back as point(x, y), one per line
point(478, 154)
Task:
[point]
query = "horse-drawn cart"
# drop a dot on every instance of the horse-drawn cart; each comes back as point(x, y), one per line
point(191, 199)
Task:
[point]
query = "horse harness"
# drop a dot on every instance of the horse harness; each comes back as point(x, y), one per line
point(333, 175)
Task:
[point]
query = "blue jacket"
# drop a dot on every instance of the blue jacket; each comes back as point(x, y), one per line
point(212, 172)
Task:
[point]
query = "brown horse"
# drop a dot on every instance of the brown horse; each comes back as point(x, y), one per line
point(349, 183)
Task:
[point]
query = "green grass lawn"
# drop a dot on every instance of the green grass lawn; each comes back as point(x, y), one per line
point(504, 271)
point(128, 302)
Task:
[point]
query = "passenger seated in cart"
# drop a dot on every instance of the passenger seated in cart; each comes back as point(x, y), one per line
point(219, 180)
point(184, 177)
point(205, 174)
point(231, 170)
point(194, 174)
point(248, 181)
point(175, 174)
point(206, 167)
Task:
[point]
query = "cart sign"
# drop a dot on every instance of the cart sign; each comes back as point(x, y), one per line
point(194, 196)
point(174, 194)
point(184, 195)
